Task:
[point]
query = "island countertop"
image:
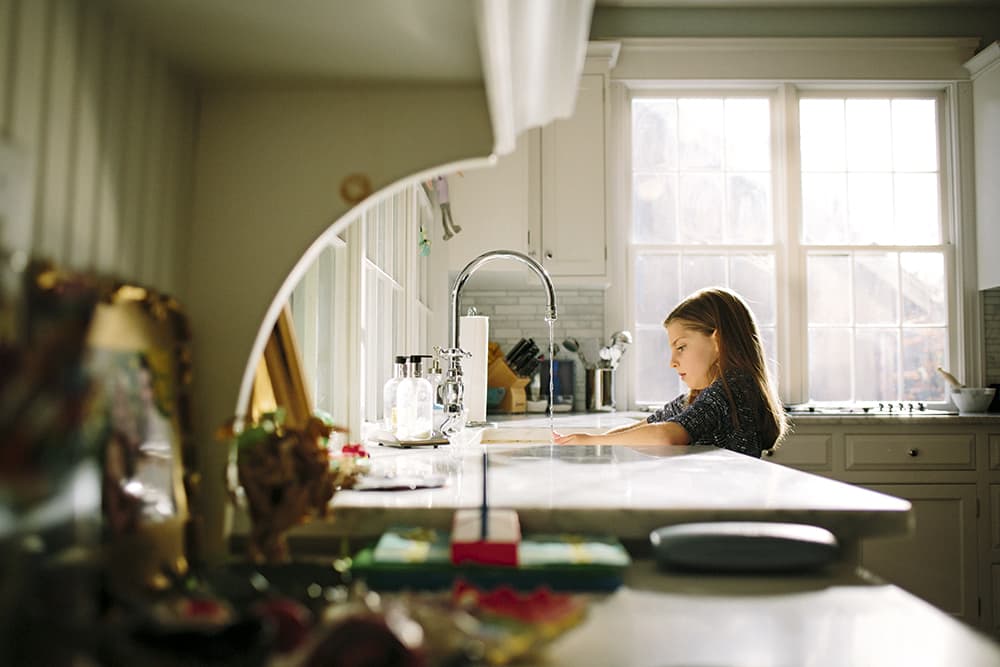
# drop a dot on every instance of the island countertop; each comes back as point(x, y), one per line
point(624, 491)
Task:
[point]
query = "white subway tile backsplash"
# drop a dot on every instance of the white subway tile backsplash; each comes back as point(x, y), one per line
point(518, 313)
point(991, 322)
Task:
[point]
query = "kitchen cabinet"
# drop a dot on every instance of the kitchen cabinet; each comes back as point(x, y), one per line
point(548, 198)
point(949, 469)
point(937, 562)
point(573, 194)
point(985, 71)
point(494, 208)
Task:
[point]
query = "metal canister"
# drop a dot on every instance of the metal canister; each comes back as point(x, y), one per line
point(601, 389)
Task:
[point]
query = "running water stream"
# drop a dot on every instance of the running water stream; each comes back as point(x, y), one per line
point(552, 347)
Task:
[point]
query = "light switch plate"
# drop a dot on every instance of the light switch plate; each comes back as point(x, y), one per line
point(16, 198)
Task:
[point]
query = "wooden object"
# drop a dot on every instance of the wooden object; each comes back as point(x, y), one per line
point(279, 380)
point(500, 375)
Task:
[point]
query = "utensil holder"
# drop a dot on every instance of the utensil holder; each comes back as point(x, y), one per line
point(514, 401)
point(601, 389)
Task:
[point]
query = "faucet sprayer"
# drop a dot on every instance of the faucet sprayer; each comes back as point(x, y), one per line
point(452, 389)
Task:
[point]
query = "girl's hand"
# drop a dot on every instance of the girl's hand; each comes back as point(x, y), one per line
point(573, 439)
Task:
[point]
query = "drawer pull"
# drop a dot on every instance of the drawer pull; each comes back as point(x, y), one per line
point(913, 452)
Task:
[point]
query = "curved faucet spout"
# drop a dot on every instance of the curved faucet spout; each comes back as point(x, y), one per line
point(474, 265)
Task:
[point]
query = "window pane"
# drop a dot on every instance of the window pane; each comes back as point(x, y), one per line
point(875, 364)
point(917, 210)
point(891, 194)
point(869, 135)
point(700, 133)
point(653, 204)
point(371, 235)
point(876, 289)
point(824, 208)
point(701, 208)
point(769, 338)
point(752, 277)
point(654, 135)
point(748, 208)
point(829, 364)
point(829, 295)
point(700, 271)
point(923, 352)
point(655, 381)
point(822, 144)
point(748, 134)
point(914, 135)
point(923, 288)
point(656, 287)
point(869, 208)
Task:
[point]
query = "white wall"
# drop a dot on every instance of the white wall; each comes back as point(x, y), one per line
point(108, 130)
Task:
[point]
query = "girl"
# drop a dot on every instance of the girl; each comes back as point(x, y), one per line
point(716, 350)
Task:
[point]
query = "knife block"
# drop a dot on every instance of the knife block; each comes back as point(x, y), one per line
point(514, 400)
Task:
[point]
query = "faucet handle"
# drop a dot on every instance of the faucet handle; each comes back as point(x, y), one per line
point(453, 353)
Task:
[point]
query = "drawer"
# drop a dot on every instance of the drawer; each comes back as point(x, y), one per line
point(994, 451)
point(910, 452)
point(809, 452)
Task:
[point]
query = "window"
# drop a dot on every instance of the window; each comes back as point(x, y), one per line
point(375, 275)
point(323, 339)
point(824, 208)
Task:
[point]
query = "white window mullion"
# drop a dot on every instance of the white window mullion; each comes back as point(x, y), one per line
point(793, 330)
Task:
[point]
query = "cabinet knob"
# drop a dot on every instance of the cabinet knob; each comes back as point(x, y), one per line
point(913, 452)
point(768, 452)
point(548, 255)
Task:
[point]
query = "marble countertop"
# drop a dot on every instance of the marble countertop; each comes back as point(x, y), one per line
point(841, 617)
point(508, 426)
point(627, 491)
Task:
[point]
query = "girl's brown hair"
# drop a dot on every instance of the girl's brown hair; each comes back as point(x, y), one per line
point(723, 312)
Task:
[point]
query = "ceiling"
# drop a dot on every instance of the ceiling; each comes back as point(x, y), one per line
point(803, 4)
point(373, 40)
point(370, 40)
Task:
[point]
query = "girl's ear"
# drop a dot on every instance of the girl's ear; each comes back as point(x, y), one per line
point(716, 341)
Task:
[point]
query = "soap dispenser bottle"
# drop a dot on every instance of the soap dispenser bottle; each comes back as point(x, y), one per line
point(389, 391)
point(414, 404)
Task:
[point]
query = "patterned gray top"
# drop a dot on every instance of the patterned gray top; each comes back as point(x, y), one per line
point(708, 420)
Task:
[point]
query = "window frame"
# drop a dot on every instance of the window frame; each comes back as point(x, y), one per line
point(954, 140)
point(377, 251)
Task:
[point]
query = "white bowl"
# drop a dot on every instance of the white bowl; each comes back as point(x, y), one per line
point(972, 400)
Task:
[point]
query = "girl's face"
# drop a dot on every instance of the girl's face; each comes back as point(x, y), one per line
point(693, 355)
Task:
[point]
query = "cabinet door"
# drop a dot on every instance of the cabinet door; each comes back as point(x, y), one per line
point(495, 207)
point(937, 562)
point(572, 186)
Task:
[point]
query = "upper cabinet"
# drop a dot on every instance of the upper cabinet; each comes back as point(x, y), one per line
point(548, 198)
point(573, 198)
point(985, 71)
point(495, 206)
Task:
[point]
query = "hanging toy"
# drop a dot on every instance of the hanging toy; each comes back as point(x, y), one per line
point(424, 244)
point(441, 189)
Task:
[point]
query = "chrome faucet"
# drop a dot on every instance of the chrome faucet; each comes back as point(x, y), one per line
point(452, 389)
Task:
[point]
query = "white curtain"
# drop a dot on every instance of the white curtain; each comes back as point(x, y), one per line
point(533, 53)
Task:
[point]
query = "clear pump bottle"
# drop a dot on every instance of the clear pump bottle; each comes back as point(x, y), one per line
point(389, 392)
point(414, 404)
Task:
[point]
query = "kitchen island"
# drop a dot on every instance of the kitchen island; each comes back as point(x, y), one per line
point(842, 615)
point(628, 491)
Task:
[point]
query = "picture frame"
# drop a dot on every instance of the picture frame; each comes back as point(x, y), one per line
point(139, 364)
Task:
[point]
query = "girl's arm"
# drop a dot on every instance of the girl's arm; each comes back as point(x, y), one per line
point(660, 433)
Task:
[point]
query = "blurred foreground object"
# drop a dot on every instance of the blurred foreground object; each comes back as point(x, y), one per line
point(287, 476)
